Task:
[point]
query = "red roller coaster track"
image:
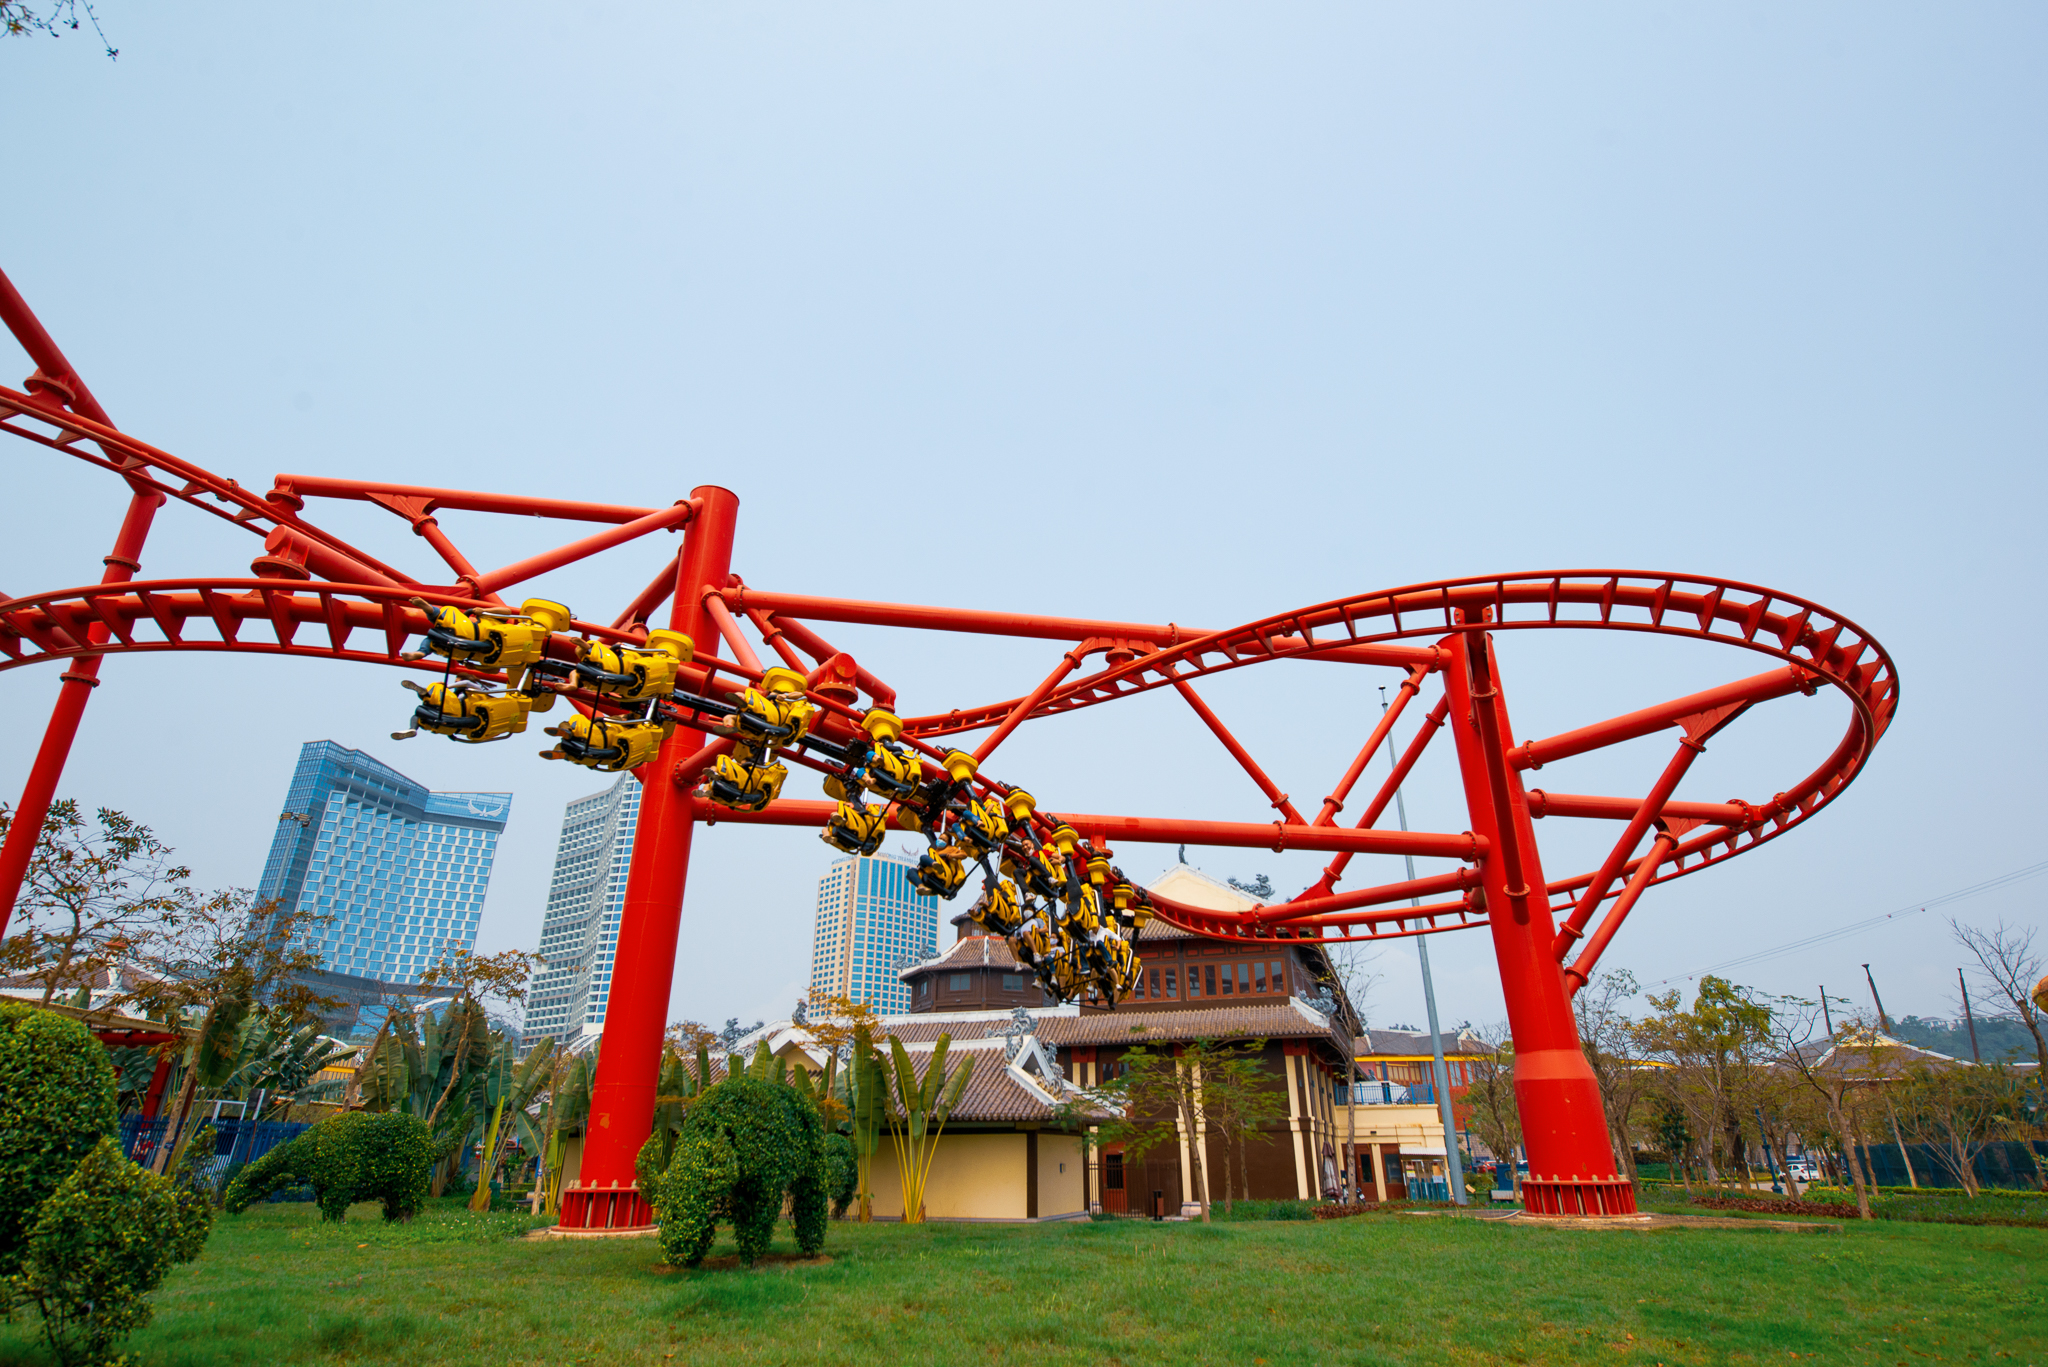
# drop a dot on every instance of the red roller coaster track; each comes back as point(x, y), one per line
point(308, 592)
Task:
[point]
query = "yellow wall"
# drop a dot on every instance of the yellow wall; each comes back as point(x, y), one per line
point(1060, 1193)
point(973, 1177)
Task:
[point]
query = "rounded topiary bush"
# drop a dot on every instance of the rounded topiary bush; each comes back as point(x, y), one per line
point(104, 1240)
point(746, 1144)
point(56, 1104)
point(361, 1156)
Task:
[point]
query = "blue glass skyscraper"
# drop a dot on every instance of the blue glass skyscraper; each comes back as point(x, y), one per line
point(580, 933)
point(402, 871)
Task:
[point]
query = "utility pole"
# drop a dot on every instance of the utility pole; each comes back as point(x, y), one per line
point(1968, 1019)
point(1824, 1015)
point(1882, 1019)
point(1453, 1165)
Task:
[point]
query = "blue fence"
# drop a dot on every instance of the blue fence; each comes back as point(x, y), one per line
point(2012, 1165)
point(1371, 1093)
point(234, 1141)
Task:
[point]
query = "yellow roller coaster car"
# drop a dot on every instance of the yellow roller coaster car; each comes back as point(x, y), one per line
point(891, 773)
point(997, 911)
point(509, 642)
point(469, 714)
point(983, 825)
point(938, 874)
point(607, 744)
point(775, 714)
point(631, 673)
point(1033, 941)
point(855, 828)
point(1083, 915)
point(742, 786)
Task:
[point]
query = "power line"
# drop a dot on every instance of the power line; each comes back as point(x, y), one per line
point(1917, 908)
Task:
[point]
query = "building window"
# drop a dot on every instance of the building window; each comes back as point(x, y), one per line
point(1194, 981)
point(1013, 982)
point(958, 982)
point(1172, 986)
point(924, 987)
point(1226, 980)
point(1209, 979)
point(1112, 1172)
point(1279, 983)
point(1244, 981)
point(1258, 977)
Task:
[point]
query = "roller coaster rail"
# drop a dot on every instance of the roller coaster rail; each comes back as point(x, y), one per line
point(721, 728)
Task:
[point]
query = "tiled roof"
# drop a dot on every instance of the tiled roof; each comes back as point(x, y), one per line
point(1406, 1042)
point(995, 1091)
point(975, 951)
point(1275, 1020)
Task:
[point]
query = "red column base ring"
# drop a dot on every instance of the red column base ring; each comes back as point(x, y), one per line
point(1578, 1196)
point(595, 1212)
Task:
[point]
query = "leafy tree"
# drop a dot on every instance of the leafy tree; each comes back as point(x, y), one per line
point(1490, 1098)
point(1828, 1073)
point(281, 1060)
point(1718, 1058)
point(1960, 1111)
point(19, 19)
point(1157, 1097)
point(1239, 1101)
point(500, 977)
point(98, 895)
point(1667, 1122)
point(2008, 962)
point(565, 1107)
point(1607, 1036)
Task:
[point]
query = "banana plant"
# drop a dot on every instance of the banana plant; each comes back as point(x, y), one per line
point(919, 1116)
point(276, 1058)
point(869, 1108)
point(510, 1084)
point(567, 1108)
point(830, 1109)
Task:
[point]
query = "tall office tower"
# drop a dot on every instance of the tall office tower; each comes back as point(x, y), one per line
point(401, 870)
point(868, 919)
point(581, 929)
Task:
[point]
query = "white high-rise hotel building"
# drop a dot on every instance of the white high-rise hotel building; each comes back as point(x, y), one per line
point(868, 919)
point(580, 931)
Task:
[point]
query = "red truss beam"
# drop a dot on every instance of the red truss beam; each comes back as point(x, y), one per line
point(1275, 835)
point(303, 487)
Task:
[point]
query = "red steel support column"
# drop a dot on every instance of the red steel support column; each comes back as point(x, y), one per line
point(58, 384)
point(79, 682)
point(605, 1197)
point(1571, 1162)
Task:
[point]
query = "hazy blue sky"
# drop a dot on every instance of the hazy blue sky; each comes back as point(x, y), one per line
point(1170, 312)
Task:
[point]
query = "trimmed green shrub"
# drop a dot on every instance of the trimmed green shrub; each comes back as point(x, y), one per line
point(100, 1244)
point(746, 1144)
point(362, 1156)
point(842, 1170)
point(56, 1103)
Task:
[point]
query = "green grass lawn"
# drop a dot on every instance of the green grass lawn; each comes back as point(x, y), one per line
point(277, 1287)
